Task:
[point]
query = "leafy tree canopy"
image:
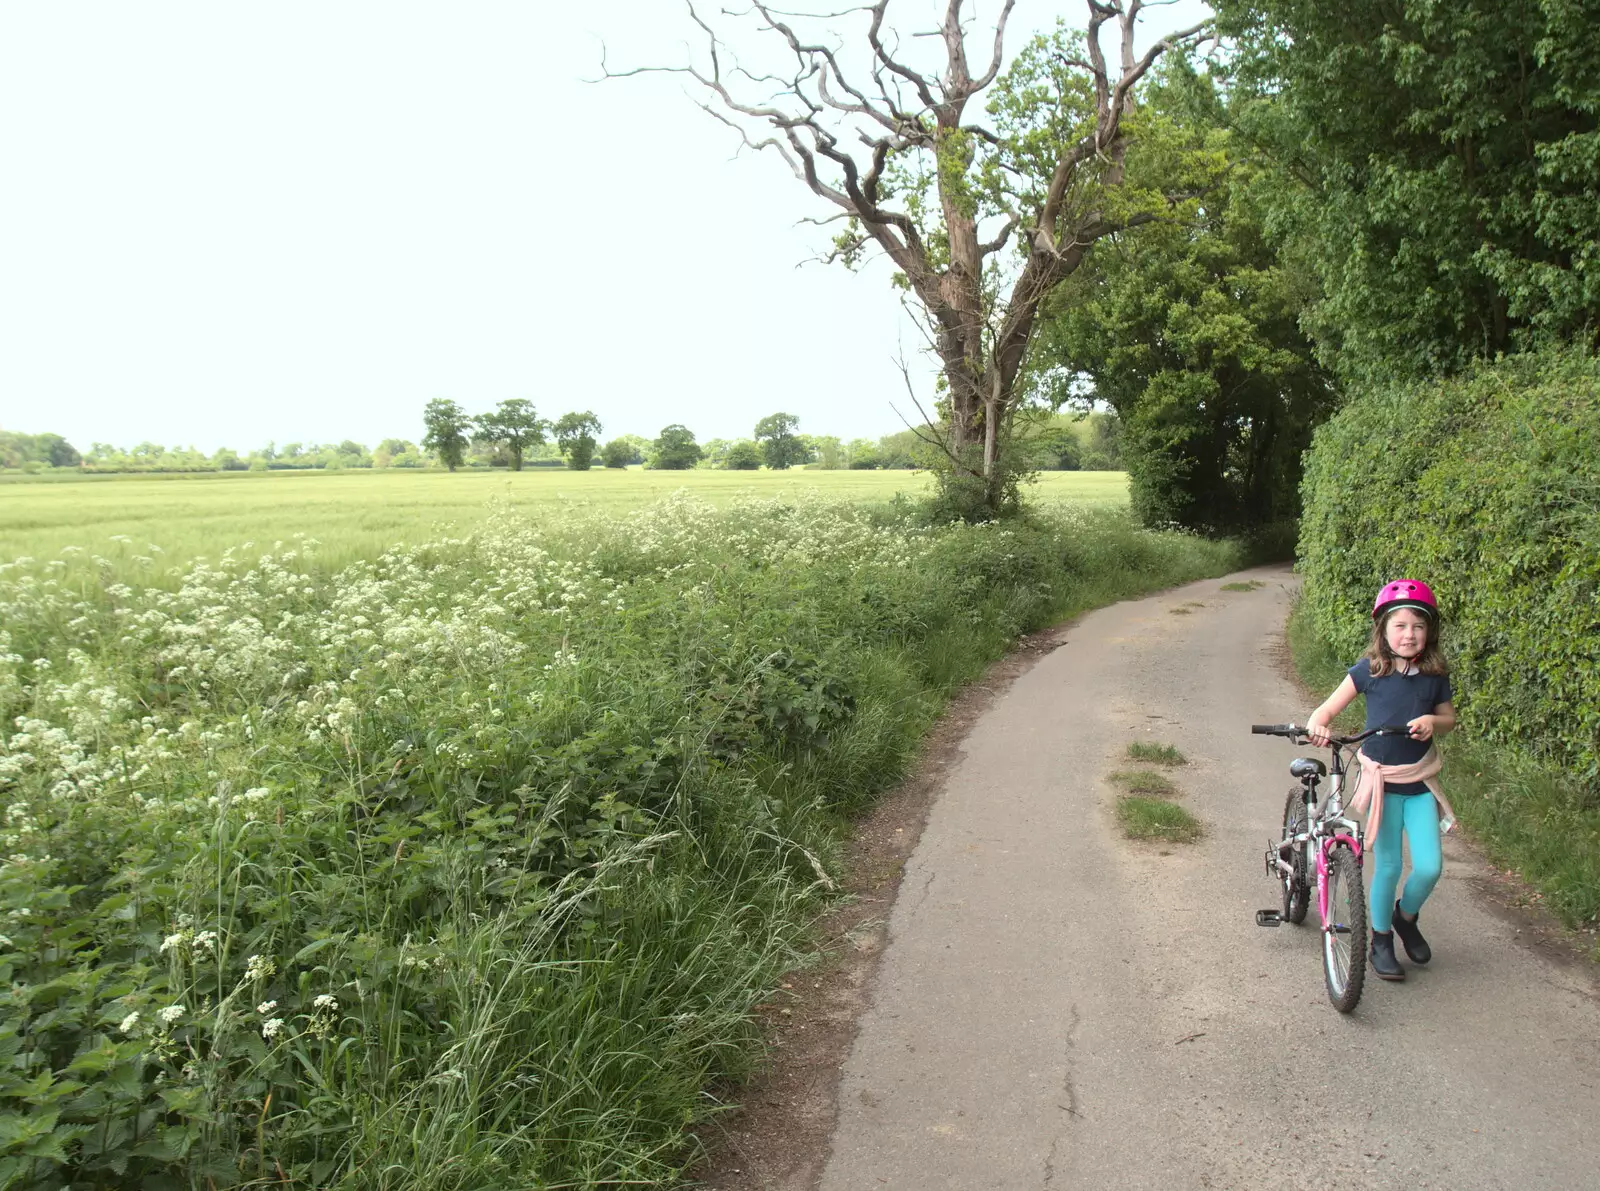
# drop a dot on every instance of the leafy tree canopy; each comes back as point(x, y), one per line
point(1190, 332)
point(515, 425)
point(575, 434)
point(446, 427)
point(1448, 166)
point(44, 450)
point(781, 446)
point(617, 453)
point(743, 455)
point(675, 449)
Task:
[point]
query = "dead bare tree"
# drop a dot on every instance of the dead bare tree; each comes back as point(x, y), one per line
point(893, 147)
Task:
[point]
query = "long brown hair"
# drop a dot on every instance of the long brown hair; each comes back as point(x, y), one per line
point(1382, 660)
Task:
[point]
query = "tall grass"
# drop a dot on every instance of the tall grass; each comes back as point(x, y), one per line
point(463, 867)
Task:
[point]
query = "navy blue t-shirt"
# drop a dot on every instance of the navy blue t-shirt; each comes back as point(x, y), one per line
point(1398, 699)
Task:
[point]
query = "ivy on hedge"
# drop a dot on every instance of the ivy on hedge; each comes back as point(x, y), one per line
point(1486, 485)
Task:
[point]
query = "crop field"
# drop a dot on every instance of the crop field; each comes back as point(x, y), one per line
point(468, 863)
point(358, 514)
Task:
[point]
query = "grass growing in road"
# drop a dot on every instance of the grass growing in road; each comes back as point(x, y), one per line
point(1151, 753)
point(1145, 781)
point(1246, 585)
point(1527, 817)
point(1156, 819)
point(1145, 809)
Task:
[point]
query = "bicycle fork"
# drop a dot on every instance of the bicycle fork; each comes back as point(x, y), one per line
point(1328, 846)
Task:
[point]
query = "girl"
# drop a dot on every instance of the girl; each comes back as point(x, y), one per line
point(1406, 681)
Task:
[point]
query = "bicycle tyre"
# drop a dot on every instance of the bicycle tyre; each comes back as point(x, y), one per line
point(1344, 948)
point(1296, 889)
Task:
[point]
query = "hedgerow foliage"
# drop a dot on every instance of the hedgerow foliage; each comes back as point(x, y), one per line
point(464, 867)
point(1487, 486)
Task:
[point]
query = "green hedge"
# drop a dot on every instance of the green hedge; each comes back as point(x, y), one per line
point(1487, 486)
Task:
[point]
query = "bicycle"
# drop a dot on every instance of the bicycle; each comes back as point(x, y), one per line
point(1321, 837)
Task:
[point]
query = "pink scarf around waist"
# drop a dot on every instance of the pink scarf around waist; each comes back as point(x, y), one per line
point(1369, 787)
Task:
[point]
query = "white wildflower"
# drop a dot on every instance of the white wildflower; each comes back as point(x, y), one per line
point(325, 1001)
point(173, 940)
point(205, 941)
point(259, 967)
point(266, 1007)
point(172, 1013)
point(270, 1028)
point(128, 1024)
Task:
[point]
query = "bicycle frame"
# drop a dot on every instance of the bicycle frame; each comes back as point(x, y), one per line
point(1331, 815)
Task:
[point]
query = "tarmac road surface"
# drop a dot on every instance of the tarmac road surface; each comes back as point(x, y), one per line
point(1058, 1007)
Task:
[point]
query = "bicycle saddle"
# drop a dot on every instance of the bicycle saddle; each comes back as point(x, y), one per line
point(1304, 767)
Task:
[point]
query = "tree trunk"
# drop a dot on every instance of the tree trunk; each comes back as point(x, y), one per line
point(991, 430)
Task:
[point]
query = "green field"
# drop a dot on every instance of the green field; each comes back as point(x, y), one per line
point(357, 514)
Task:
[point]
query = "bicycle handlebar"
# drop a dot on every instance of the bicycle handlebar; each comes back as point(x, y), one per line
point(1295, 731)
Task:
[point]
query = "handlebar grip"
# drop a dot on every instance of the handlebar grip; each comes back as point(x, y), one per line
point(1273, 729)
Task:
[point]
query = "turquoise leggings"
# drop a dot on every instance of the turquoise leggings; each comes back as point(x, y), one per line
point(1418, 814)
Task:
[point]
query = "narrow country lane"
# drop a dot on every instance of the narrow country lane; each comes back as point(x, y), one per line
point(1060, 1008)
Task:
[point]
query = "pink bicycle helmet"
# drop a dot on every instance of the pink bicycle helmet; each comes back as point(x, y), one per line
point(1406, 593)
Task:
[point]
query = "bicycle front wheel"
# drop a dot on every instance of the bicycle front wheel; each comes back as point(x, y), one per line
point(1344, 931)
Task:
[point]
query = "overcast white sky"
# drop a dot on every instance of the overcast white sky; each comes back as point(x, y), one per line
point(228, 223)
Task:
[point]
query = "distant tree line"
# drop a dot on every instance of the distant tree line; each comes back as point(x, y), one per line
point(36, 451)
point(514, 436)
point(1091, 442)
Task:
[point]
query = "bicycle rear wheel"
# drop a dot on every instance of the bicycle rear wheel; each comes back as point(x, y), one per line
point(1344, 933)
point(1296, 888)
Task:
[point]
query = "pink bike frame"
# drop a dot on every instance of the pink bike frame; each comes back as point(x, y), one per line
point(1322, 870)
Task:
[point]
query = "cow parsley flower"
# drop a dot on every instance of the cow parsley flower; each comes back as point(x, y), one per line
point(271, 1027)
point(325, 1001)
point(266, 1007)
point(259, 967)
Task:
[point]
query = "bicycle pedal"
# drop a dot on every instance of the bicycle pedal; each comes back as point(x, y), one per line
point(1269, 918)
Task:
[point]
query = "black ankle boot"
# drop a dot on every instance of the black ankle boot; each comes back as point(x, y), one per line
point(1384, 964)
point(1416, 946)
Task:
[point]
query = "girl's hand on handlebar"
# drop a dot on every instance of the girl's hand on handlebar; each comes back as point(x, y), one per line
point(1421, 727)
point(1318, 734)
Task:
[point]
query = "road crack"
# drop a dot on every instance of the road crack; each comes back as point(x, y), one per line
point(1069, 1093)
point(922, 897)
